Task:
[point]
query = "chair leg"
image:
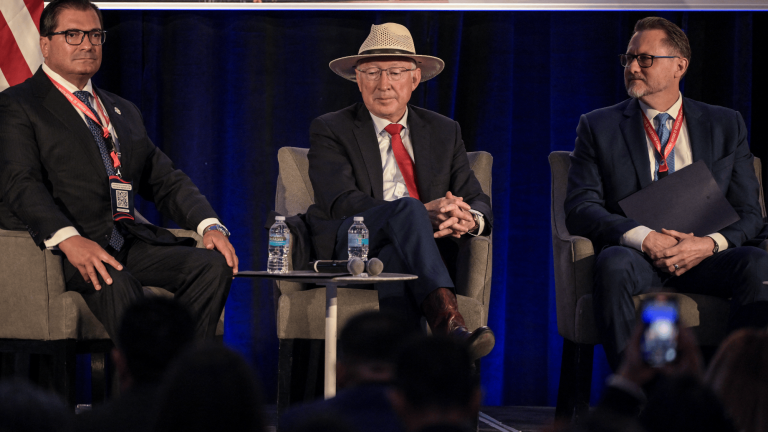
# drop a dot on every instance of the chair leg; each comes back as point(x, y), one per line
point(284, 369)
point(575, 382)
point(98, 378)
point(64, 359)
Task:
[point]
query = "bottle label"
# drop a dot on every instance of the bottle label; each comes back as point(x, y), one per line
point(356, 240)
point(279, 240)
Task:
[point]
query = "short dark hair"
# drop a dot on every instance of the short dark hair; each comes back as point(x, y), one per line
point(210, 387)
point(372, 336)
point(152, 333)
point(436, 372)
point(50, 16)
point(676, 38)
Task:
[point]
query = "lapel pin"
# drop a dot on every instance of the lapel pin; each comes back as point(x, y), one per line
point(117, 110)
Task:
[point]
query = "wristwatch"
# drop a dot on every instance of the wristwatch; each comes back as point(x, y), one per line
point(717, 245)
point(478, 218)
point(218, 227)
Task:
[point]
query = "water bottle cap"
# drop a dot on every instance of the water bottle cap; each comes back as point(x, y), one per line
point(358, 218)
point(279, 218)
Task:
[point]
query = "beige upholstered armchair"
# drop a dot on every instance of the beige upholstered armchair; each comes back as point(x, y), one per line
point(573, 260)
point(300, 310)
point(37, 315)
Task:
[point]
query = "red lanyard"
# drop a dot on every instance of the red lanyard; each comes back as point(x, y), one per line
point(114, 154)
point(672, 138)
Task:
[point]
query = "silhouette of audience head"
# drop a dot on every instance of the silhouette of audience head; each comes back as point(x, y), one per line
point(739, 376)
point(25, 407)
point(368, 347)
point(153, 332)
point(435, 384)
point(210, 388)
point(683, 403)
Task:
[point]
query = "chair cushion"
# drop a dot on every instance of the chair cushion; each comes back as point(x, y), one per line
point(695, 309)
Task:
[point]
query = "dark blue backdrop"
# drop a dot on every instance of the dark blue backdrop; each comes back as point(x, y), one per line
point(221, 92)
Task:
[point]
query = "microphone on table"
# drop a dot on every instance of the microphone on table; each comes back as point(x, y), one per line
point(354, 266)
point(374, 266)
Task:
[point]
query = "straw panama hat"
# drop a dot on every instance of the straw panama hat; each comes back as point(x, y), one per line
point(388, 39)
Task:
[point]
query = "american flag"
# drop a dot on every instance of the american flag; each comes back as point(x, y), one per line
point(20, 54)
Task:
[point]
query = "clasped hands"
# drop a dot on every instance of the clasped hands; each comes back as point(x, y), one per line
point(450, 216)
point(669, 248)
point(89, 258)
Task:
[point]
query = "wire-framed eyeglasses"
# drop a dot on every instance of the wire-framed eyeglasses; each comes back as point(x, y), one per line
point(394, 73)
point(76, 37)
point(643, 60)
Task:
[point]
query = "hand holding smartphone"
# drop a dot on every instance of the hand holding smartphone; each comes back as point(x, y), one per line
point(660, 318)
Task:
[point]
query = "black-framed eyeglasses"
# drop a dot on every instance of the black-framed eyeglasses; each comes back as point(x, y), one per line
point(76, 37)
point(643, 60)
point(394, 73)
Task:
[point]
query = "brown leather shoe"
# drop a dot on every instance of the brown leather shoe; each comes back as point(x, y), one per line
point(442, 314)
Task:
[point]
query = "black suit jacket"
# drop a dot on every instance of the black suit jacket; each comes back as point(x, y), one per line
point(52, 175)
point(347, 177)
point(610, 162)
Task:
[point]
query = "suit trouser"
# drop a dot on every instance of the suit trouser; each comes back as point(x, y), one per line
point(198, 278)
point(622, 272)
point(400, 234)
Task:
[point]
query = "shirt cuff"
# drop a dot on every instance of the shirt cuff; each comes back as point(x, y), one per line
point(722, 243)
point(480, 222)
point(206, 223)
point(59, 236)
point(635, 237)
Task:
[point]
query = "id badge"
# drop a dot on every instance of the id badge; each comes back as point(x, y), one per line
point(121, 192)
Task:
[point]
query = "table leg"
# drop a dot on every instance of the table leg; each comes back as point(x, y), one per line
point(331, 327)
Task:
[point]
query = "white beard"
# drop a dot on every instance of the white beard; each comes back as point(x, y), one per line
point(636, 93)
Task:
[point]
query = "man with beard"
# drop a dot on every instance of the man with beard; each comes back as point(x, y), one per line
point(619, 151)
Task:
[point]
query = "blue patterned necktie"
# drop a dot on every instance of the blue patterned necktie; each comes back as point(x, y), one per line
point(663, 132)
point(116, 240)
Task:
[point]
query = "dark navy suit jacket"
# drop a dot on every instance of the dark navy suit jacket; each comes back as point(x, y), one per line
point(610, 162)
point(52, 175)
point(347, 178)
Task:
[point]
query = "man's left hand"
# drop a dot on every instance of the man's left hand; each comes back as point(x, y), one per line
point(450, 216)
point(687, 254)
point(216, 240)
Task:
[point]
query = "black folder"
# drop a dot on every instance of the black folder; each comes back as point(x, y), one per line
point(687, 200)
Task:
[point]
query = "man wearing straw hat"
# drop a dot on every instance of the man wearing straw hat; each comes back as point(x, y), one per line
point(405, 170)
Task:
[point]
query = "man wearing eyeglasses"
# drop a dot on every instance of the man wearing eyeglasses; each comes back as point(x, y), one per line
point(405, 170)
point(624, 148)
point(71, 159)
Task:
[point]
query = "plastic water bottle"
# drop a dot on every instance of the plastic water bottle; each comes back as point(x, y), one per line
point(279, 245)
point(357, 240)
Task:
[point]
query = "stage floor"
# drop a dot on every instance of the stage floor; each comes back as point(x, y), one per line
point(492, 418)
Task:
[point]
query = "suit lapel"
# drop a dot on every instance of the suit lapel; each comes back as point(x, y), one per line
point(698, 126)
point(121, 126)
point(365, 134)
point(422, 152)
point(60, 107)
point(634, 139)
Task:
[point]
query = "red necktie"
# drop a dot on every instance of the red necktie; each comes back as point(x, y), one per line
point(404, 161)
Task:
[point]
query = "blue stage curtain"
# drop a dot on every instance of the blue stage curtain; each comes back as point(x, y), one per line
point(222, 91)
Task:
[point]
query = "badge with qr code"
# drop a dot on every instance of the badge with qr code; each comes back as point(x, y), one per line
point(122, 198)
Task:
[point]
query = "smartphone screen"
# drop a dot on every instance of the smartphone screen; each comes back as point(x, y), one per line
point(660, 319)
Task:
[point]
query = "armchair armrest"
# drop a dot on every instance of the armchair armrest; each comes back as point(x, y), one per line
point(30, 277)
point(473, 269)
point(574, 257)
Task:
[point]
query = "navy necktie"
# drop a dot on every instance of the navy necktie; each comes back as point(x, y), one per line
point(663, 132)
point(116, 240)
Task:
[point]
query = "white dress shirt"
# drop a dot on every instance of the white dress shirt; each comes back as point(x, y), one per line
point(59, 236)
point(394, 183)
point(683, 157)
